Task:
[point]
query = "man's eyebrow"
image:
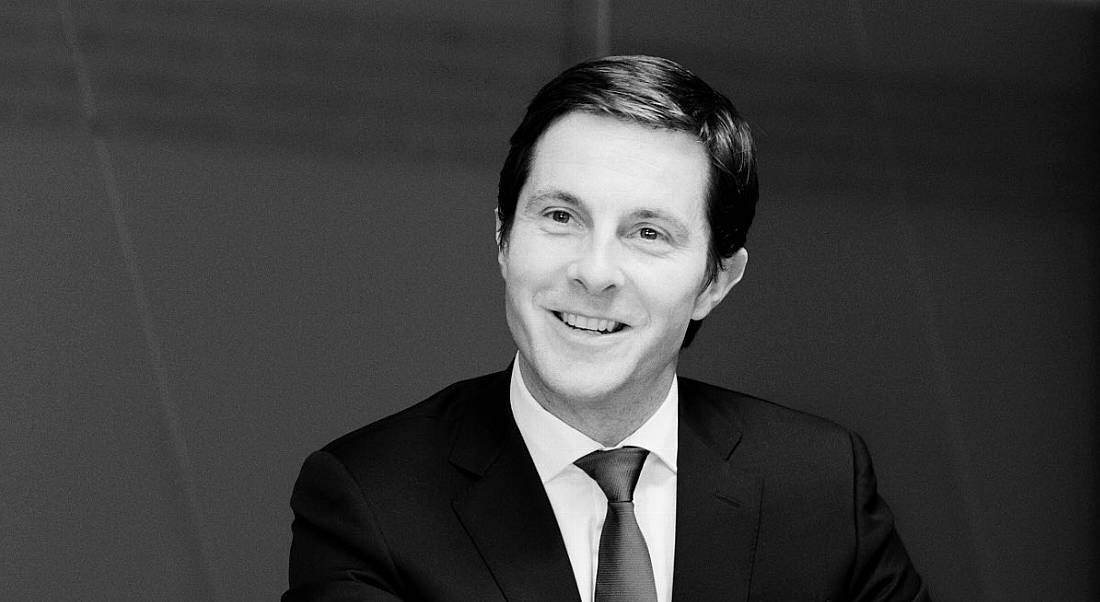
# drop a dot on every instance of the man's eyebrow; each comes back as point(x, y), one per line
point(555, 195)
point(679, 228)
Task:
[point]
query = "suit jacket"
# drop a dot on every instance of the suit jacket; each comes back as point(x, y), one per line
point(442, 502)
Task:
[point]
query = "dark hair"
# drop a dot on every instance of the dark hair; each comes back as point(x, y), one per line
point(659, 93)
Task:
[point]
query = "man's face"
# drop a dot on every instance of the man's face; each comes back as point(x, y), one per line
point(606, 260)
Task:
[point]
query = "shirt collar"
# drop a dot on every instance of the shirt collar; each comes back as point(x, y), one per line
point(554, 445)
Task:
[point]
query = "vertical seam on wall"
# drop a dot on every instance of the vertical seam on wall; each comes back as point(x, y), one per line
point(586, 30)
point(603, 27)
point(168, 408)
point(943, 392)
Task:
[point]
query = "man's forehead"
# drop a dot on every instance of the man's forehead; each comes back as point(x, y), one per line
point(650, 172)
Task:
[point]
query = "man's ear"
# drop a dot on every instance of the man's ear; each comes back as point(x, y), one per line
point(730, 273)
point(500, 248)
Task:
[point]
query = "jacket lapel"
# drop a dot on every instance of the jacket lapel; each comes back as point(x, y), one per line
point(717, 506)
point(506, 511)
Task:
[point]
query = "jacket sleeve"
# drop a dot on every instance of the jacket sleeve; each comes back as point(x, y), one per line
point(882, 569)
point(338, 552)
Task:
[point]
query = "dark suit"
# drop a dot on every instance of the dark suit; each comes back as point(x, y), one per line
point(442, 502)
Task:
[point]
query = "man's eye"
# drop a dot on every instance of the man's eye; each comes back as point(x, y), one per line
point(562, 217)
point(650, 234)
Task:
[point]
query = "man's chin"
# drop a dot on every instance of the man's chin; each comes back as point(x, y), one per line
point(583, 382)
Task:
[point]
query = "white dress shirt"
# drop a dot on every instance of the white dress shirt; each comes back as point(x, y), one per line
point(579, 504)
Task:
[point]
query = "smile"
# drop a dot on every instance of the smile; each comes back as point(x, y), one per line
point(589, 324)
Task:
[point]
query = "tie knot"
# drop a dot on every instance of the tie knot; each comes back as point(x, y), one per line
point(616, 471)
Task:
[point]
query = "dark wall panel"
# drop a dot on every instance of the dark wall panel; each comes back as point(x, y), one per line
point(92, 495)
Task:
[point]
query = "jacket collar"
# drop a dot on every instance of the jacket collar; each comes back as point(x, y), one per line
point(717, 505)
point(505, 510)
point(508, 516)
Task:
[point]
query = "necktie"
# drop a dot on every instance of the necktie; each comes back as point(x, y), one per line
point(624, 572)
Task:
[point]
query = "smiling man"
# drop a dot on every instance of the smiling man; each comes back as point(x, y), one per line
point(605, 264)
point(588, 470)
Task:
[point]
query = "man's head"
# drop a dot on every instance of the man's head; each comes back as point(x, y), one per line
point(622, 215)
point(655, 93)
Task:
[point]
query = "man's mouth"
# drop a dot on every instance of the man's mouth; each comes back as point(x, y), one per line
point(589, 324)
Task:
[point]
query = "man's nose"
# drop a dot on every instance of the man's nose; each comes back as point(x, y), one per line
point(597, 267)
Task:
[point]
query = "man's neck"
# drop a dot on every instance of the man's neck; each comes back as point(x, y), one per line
point(607, 419)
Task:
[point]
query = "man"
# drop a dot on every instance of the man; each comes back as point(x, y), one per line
point(587, 470)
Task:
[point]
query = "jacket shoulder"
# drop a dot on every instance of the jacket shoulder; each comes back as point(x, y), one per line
point(769, 431)
point(425, 429)
point(752, 412)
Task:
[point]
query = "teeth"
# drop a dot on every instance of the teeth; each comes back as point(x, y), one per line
point(587, 323)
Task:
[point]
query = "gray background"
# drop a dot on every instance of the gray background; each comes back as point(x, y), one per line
point(231, 231)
